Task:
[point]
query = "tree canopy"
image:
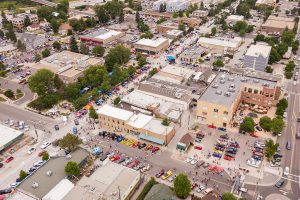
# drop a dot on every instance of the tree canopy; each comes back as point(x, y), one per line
point(72, 169)
point(98, 51)
point(70, 142)
point(118, 55)
point(182, 186)
point(247, 125)
point(92, 113)
point(228, 196)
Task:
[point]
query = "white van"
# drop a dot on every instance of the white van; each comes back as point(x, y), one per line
point(244, 190)
point(286, 171)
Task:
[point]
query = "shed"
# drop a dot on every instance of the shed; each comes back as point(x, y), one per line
point(185, 142)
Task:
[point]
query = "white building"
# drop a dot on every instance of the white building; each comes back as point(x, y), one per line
point(8, 136)
point(234, 18)
point(172, 5)
point(152, 46)
point(257, 57)
point(220, 45)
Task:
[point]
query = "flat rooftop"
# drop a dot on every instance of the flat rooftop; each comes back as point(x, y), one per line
point(47, 183)
point(280, 22)
point(139, 120)
point(8, 135)
point(103, 34)
point(114, 112)
point(155, 126)
point(259, 50)
point(106, 181)
point(215, 93)
point(151, 42)
point(193, 52)
point(233, 43)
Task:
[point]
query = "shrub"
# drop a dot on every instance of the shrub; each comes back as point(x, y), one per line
point(9, 93)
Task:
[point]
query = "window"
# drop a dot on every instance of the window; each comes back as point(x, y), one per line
point(216, 110)
point(245, 89)
point(204, 113)
point(113, 121)
point(225, 113)
point(123, 123)
point(250, 90)
point(260, 92)
point(255, 91)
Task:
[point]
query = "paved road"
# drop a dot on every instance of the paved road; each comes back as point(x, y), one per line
point(8, 84)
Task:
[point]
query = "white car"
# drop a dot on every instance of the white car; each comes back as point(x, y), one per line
point(38, 163)
point(284, 114)
point(45, 145)
point(31, 150)
point(189, 159)
point(13, 185)
point(194, 161)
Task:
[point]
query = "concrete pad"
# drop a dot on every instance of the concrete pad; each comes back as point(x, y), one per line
point(277, 197)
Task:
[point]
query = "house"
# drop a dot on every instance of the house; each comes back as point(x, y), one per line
point(185, 142)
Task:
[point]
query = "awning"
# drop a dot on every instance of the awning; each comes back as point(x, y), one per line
point(151, 139)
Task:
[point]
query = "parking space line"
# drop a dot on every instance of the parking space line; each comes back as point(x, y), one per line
point(290, 180)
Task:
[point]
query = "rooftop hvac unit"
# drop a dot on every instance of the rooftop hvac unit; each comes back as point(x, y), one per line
point(49, 173)
point(232, 85)
point(215, 86)
point(231, 90)
point(218, 92)
point(265, 84)
point(255, 81)
point(222, 81)
point(227, 94)
point(230, 79)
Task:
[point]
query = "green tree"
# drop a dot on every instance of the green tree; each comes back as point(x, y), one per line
point(46, 53)
point(84, 49)
point(56, 45)
point(175, 15)
point(152, 72)
point(270, 149)
point(72, 169)
point(92, 113)
point(121, 17)
point(213, 30)
point(266, 123)
point(182, 186)
point(137, 16)
point(98, 51)
point(9, 93)
point(274, 56)
point(147, 34)
point(242, 33)
point(72, 91)
point(118, 55)
point(247, 125)
point(282, 48)
point(269, 69)
point(282, 103)
point(117, 100)
point(288, 37)
point(22, 175)
point(37, 57)
point(243, 9)
point(42, 82)
point(102, 14)
point(27, 21)
point(45, 156)
point(228, 196)
point(218, 63)
point(21, 46)
point(165, 122)
point(2, 66)
point(11, 34)
point(277, 125)
point(70, 142)
point(181, 27)
point(54, 23)
point(161, 20)
point(73, 45)
point(1, 34)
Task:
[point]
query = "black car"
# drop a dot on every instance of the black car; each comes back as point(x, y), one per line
point(279, 183)
point(142, 145)
point(257, 158)
point(278, 156)
point(1, 165)
point(121, 160)
point(32, 169)
point(56, 127)
point(220, 148)
point(232, 150)
point(258, 128)
point(220, 145)
point(5, 191)
point(230, 155)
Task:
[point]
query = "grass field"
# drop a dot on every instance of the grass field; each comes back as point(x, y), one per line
point(5, 3)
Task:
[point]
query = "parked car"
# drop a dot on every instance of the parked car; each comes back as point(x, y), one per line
point(258, 128)
point(142, 145)
point(31, 150)
point(279, 183)
point(45, 145)
point(8, 160)
point(222, 128)
point(5, 191)
point(225, 136)
point(198, 147)
point(1, 165)
point(167, 175)
point(160, 173)
point(76, 122)
point(56, 127)
point(155, 149)
point(217, 155)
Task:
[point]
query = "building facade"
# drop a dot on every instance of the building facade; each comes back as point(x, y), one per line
point(102, 37)
point(257, 57)
point(222, 46)
point(221, 99)
point(125, 122)
point(276, 25)
point(18, 21)
point(171, 5)
point(152, 46)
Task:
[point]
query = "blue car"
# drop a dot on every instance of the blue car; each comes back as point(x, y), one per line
point(217, 155)
point(222, 129)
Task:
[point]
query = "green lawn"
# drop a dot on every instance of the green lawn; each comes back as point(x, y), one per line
point(5, 3)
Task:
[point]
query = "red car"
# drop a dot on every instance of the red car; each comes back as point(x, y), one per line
point(211, 126)
point(9, 159)
point(198, 147)
point(194, 185)
point(227, 158)
point(115, 158)
point(136, 144)
point(253, 135)
point(133, 164)
point(155, 149)
point(159, 174)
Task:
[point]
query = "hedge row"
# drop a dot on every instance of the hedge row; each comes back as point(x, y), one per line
point(147, 188)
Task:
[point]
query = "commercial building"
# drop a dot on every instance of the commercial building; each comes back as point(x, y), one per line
point(111, 181)
point(234, 18)
point(33, 41)
point(266, 2)
point(156, 14)
point(68, 65)
point(144, 126)
point(101, 36)
point(222, 46)
point(82, 3)
point(18, 20)
point(166, 26)
point(276, 25)
point(219, 102)
point(257, 57)
point(192, 55)
point(7, 49)
point(174, 74)
point(188, 21)
point(171, 5)
point(152, 46)
point(48, 182)
point(8, 136)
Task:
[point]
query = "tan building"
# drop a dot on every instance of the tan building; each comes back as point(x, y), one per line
point(221, 99)
point(200, 13)
point(222, 46)
point(102, 36)
point(192, 55)
point(158, 14)
point(190, 22)
point(68, 65)
point(152, 46)
point(166, 26)
point(143, 126)
point(266, 2)
point(18, 21)
point(276, 25)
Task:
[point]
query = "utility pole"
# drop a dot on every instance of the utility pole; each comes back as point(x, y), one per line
point(119, 192)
